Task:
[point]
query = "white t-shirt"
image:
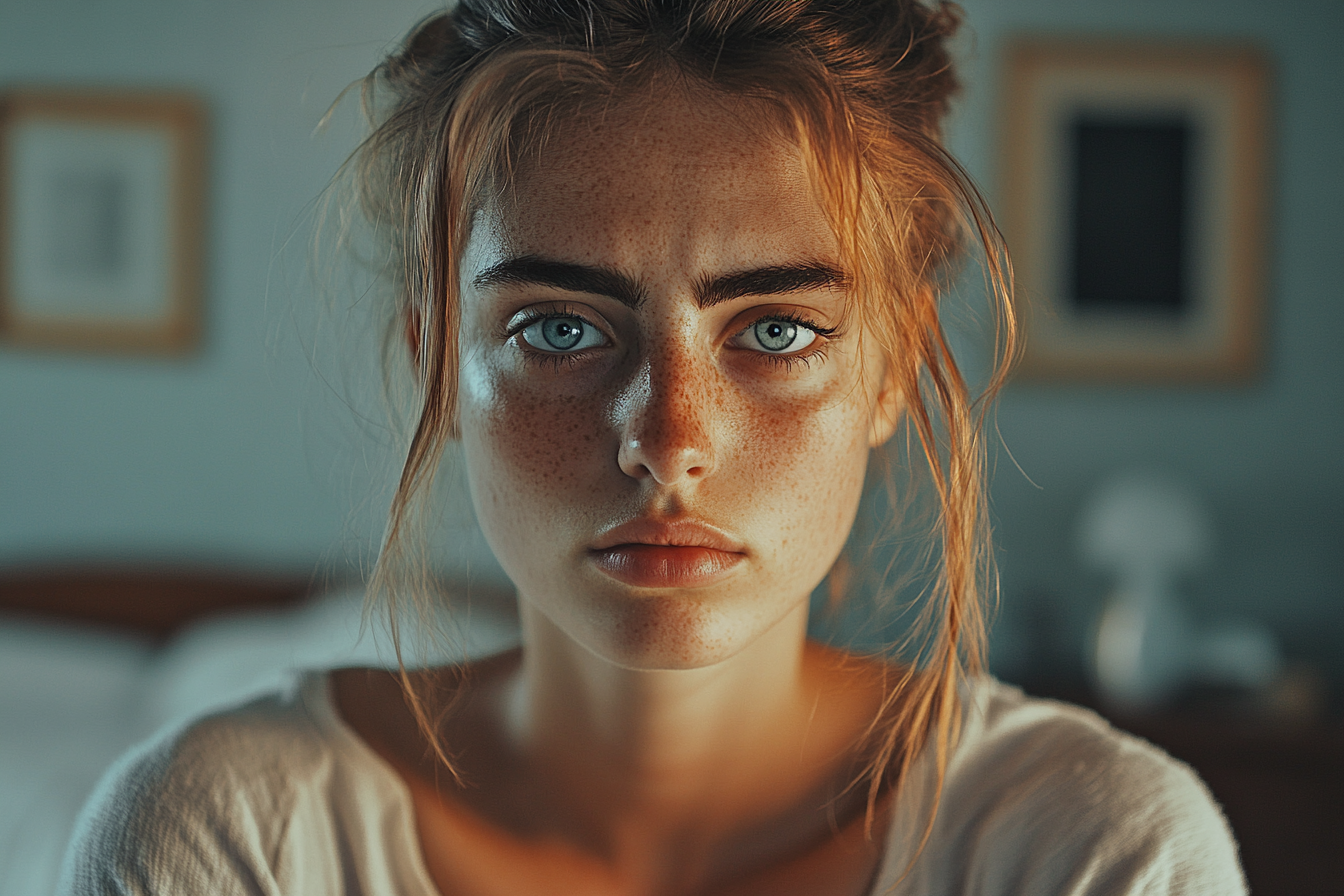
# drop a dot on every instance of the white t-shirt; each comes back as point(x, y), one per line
point(280, 796)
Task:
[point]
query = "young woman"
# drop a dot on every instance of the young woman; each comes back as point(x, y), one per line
point(670, 271)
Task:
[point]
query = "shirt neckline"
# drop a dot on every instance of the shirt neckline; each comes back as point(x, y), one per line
point(316, 696)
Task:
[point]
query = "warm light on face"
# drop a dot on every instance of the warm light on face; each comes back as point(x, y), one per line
point(665, 421)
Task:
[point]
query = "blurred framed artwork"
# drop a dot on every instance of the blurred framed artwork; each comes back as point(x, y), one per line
point(101, 219)
point(1133, 200)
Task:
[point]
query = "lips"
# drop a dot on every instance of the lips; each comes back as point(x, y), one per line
point(682, 553)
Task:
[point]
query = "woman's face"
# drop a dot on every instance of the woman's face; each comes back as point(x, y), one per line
point(666, 423)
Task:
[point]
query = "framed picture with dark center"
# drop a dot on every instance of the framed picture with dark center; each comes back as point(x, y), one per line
point(1133, 192)
point(101, 212)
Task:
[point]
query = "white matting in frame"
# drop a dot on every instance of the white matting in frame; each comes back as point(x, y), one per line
point(100, 219)
point(1133, 201)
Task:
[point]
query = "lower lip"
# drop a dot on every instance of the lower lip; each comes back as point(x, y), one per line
point(665, 566)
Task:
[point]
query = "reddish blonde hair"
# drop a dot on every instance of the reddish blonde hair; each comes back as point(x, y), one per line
point(863, 86)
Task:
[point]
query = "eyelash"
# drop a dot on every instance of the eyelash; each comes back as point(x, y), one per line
point(787, 361)
point(536, 356)
point(804, 357)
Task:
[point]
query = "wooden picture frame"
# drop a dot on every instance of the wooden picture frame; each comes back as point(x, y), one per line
point(102, 200)
point(1133, 195)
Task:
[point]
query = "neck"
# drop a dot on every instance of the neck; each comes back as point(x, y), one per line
point(650, 767)
point(649, 723)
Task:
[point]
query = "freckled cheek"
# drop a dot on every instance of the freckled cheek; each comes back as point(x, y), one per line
point(527, 446)
point(804, 472)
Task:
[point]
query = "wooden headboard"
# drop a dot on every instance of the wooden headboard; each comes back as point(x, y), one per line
point(152, 600)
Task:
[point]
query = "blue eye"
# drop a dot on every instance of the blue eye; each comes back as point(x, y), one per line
point(778, 336)
point(562, 333)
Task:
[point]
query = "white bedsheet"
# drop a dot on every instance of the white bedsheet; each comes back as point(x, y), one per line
point(72, 700)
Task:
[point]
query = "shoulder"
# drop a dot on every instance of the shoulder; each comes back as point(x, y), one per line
point(1041, 796)
point(249, 800)
point(1055, 749)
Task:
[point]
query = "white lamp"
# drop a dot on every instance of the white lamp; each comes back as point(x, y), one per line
point(1148, 531)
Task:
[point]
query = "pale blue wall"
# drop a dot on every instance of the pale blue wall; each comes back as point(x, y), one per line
point(241, 453)
point(1269, 457)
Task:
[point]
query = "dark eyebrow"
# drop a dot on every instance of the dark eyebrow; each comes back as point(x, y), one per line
point(710, 291)
point(775, 280)
point(602, 281)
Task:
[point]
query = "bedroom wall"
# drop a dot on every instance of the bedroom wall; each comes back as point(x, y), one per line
point(1269, 457)
point(246, 452)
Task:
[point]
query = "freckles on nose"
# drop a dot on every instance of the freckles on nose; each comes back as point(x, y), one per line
point(667, 420)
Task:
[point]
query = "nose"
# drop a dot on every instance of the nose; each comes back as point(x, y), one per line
point(666, 420)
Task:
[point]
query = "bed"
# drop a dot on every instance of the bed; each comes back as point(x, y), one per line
point(96, 659)
point(93, 660)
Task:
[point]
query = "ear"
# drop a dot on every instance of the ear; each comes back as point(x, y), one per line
point(887, 409)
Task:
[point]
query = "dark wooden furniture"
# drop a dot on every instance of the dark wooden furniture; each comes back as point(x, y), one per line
point(150, 600)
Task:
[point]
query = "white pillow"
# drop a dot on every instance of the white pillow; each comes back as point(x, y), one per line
point(72, 700)
point(229, 659)
point(68, 707)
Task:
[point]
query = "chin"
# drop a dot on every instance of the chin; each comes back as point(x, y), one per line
point(656, 629)
point(667, 633)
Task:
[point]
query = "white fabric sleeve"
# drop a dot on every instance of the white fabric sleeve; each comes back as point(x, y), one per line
point(208, 811)
point(274, 797)
point(1045, 798)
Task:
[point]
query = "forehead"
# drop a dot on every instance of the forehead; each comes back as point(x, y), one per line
point(696, 180)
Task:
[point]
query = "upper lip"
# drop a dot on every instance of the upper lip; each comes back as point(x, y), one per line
point(682, 532)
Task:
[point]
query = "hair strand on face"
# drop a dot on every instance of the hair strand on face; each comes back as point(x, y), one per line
point(862, 87)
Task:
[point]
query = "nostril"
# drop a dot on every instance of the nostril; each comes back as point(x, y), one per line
point(665, 430)
point(665, 457)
